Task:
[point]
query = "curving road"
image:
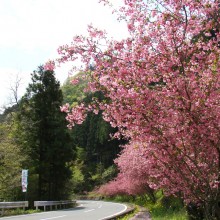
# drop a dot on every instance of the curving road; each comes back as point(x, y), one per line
point(86, 210)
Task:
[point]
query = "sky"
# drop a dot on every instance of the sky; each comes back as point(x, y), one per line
point(32, 31)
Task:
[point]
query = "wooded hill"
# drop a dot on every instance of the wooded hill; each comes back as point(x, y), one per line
point(60, 162)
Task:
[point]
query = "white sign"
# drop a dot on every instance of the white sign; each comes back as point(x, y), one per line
point(24, 180)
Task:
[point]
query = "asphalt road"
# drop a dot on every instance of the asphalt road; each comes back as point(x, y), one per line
point(86, 210)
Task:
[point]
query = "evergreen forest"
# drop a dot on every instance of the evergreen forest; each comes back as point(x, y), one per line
point(61, 162)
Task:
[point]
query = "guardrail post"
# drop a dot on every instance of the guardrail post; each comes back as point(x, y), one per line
point(57, 204)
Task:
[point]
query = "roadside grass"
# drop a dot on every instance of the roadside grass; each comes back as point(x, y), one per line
point(169, 215)
point(128, 216)
point(10, 212)
point(165, 208)
point(159, 212)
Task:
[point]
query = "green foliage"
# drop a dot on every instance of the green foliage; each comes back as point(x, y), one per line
point(168, 208)
point(74, 94)
point(97, 151)
point(109, 173)
point(100, 151)
point(11, 159)
point(8, 112)
point(80, 154)
point(122, 198)
point(78, 179)
point(162, 214)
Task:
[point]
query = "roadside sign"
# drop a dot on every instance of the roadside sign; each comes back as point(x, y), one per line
point(24, 180)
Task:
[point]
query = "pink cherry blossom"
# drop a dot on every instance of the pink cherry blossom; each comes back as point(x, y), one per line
point(50, 65)
point(74, 81)
point(162, 86)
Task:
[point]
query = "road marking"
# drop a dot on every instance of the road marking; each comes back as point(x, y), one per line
point(89, 210)
point(53, 217)
point(110, 216)
point(100, 207)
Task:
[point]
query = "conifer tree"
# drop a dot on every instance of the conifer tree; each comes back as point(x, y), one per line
point(45, 137)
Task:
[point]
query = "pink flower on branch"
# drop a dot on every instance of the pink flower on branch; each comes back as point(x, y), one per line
point(50, 65)
point(74, 81)
point(77, 115)
point(65, 108)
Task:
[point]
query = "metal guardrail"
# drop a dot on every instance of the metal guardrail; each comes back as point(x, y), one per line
point(8, 205)
point(53, 203)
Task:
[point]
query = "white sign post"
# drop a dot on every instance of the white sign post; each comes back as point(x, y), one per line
point(24, 180)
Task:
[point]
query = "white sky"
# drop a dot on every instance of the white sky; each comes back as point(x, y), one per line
point(32, 30)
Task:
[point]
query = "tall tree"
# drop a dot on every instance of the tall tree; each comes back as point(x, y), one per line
point(44, 135)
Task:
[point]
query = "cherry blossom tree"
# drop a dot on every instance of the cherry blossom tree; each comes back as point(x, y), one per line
point(134, 175)
point(162, 92)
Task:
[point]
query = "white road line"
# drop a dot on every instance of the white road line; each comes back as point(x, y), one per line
point(90, 210)
point(100, 207)
point(107, 217)
point(53, 217)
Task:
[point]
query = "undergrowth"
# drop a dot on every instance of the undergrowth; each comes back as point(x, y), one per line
point(11, 212)
point(165, 208)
